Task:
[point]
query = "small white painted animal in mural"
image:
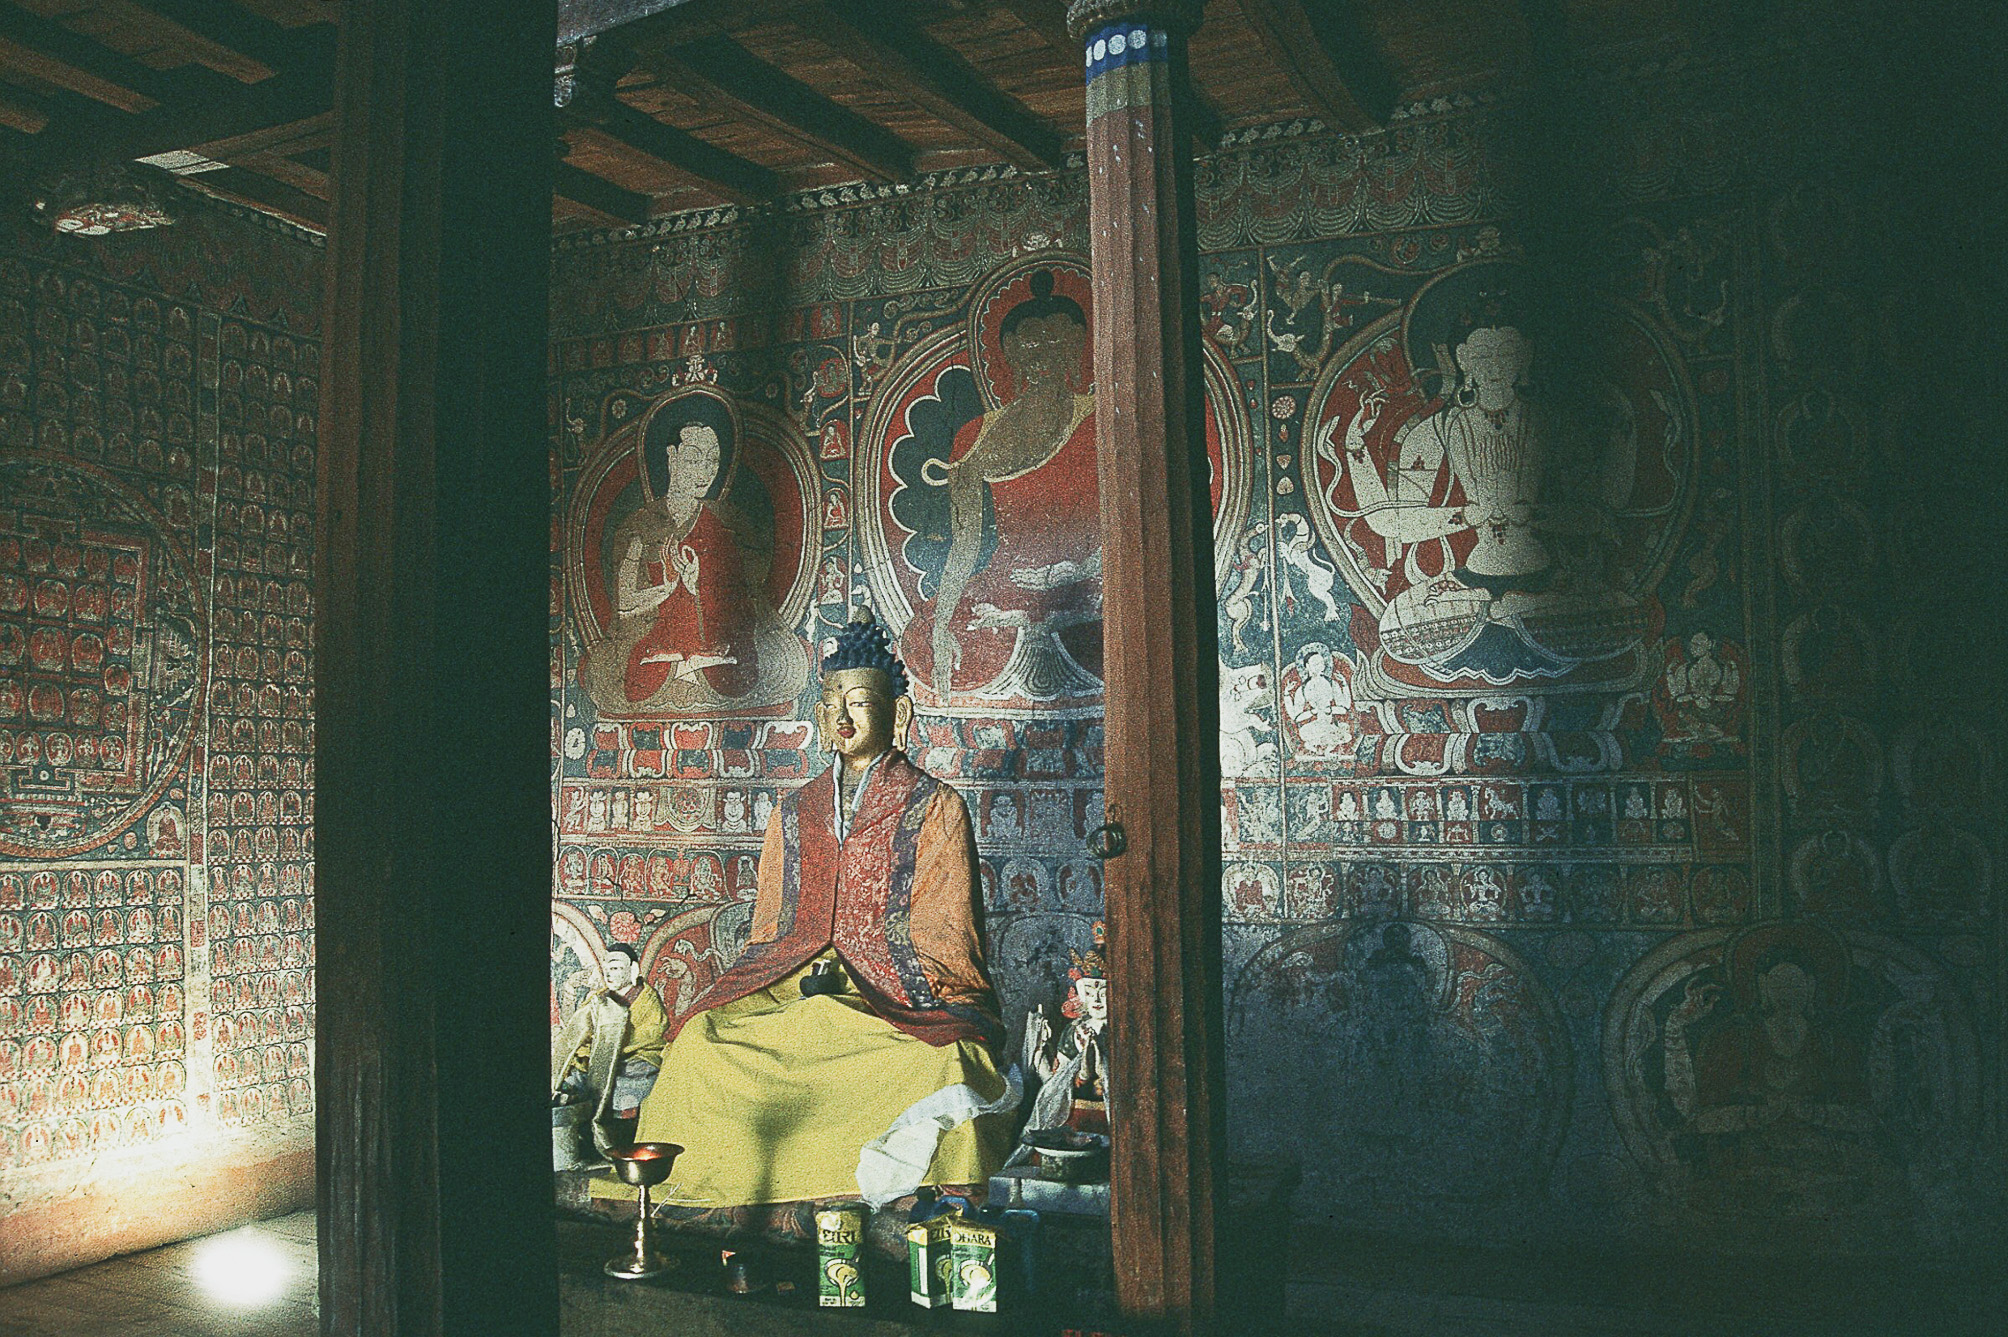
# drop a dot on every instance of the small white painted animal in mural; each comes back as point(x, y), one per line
point(1245, 585)
point(1244, 696)
point(1293, 547)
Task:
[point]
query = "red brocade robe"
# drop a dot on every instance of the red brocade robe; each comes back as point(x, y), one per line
point(897, 900)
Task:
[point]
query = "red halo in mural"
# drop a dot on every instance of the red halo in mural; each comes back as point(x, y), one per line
point(762, 498)
point(1009, 288)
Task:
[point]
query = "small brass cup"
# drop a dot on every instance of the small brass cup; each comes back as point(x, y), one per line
point(643, 1165)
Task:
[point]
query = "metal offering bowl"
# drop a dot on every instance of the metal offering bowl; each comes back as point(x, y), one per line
point(1070, 1156)
point(645, 1164)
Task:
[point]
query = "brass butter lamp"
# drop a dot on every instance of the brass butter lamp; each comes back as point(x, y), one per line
point(643, 1165)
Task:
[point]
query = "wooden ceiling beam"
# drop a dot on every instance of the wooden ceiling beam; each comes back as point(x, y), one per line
point(618, 204)
point(33, 46)
point(892, 49)
point(720, 71)
point(229, 25)
point(1327, 50)
point(311, 180)
point(217, 109)
point(20, 112)
point(290, 99)
point(726, 175)
point(587, 99)
point(171, 110)
point(21, 82)
point(262, 193)
point(313, 132)
point(268, 153)
point(150, 36)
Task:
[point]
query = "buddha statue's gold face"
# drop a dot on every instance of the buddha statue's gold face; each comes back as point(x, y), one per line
point(858, 718)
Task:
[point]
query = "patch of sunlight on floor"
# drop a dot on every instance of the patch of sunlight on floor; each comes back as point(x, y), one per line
point(260, 1279)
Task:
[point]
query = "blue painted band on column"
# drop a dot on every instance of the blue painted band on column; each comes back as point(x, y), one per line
point(1122, 44)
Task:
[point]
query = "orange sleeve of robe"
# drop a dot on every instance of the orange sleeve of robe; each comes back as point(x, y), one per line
point(768, 881)
point(947, 906)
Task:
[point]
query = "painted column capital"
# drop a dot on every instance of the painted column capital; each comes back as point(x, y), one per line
point(1089, 16)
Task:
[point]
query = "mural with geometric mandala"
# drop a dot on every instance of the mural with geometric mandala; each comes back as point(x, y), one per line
point(156, 548)
point(1609, 856)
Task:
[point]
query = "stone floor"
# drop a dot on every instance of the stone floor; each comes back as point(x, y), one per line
point(159, 1294)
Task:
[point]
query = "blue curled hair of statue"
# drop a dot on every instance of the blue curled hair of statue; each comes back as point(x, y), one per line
point(863, 645)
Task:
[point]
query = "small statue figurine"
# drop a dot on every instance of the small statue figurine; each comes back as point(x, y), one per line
point(610, 1050)
point(1072, 1066)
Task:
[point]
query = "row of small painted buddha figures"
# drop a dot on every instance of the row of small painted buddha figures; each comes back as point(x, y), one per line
point(853, 1049)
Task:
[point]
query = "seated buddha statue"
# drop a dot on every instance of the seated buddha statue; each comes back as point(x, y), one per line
point(851, 1051)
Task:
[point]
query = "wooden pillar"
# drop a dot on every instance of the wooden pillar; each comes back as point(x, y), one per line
point(432, 801)
point(1162, 738)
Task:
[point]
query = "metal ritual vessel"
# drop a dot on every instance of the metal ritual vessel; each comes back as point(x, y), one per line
point(643, 1165)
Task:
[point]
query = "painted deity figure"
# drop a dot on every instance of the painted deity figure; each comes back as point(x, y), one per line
point(1777, 1092)
point(1318, 697)
point(664, 556)
point(609, 1050)
point(687, 573)
point(1072, 1064)
point(1515, 496)
point(1702, 688)
point(1029, 468)
point(851, 1049)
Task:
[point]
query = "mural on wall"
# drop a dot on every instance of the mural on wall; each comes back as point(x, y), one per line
point(1484, 683)
point(1501, 516)
point(156, 774)
point(1790, 1072)
point(1546, 677)
point(1443, 1046)
point(93, 586)
point(984, 549)
point(689, 568)
point(996, 577)
point(671, 760)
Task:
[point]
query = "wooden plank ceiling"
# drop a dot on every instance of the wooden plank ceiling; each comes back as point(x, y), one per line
point(679, 104)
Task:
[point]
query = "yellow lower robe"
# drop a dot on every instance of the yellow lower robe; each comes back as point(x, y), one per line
point(778, 1098)
point(773, 1096)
